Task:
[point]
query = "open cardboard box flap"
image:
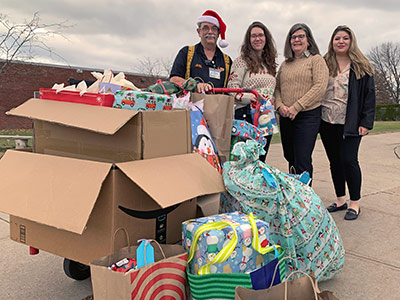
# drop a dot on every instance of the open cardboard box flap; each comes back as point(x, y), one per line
point(100, 119)
point(174, 179)
point(55, 191)
point(61, 192)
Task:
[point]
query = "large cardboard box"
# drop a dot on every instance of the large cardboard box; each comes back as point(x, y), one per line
point(103, 133)
point(72, 207)
point(96, 169)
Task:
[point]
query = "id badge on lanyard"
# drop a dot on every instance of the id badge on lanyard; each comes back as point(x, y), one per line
point(214, 73)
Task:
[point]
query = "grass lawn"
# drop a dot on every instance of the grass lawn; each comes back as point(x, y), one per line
point(10, 143)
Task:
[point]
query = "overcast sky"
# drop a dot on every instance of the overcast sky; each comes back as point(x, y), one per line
point(115, 34)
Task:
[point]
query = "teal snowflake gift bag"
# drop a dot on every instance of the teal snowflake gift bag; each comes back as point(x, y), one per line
point(298, 220)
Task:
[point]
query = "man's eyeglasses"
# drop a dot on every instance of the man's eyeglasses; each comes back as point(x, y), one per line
point(205, 29)
point(260, 36)
point(210, 63)
point(299, 36)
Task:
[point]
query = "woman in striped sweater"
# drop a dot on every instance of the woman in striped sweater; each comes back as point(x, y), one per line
point(254, 69)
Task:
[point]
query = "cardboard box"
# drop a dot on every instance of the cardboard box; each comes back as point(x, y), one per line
point(72, 207)
point(103, 133)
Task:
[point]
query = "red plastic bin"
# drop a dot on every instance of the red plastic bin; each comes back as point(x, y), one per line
point(72, 96)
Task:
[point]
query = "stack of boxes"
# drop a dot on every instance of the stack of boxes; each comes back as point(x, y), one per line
point(95, 169)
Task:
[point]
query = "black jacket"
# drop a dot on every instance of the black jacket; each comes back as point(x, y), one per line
point(360, 104)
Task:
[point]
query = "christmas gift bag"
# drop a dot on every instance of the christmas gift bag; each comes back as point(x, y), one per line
point(297, 218)
point(242, 131)
point(218, 113)
point(163, 278)
point(202, 142)
point(304, 287)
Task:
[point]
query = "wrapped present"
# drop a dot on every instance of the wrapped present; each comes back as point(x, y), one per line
point(267, 120)
point(245, 131)
point(138, 100)
point(172, 88)
point(75, 96)
point(226, 243)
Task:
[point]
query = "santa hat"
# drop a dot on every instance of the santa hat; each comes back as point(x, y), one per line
point(212, 17)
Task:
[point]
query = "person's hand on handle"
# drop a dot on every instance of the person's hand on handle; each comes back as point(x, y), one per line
point(253, 98)
point(203, 87)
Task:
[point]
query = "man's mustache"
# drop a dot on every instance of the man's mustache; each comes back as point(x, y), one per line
point(210, 35)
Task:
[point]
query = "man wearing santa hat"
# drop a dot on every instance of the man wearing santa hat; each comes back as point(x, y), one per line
point(204, 61)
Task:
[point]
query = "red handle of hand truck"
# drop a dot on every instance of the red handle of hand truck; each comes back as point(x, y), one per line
point(254, 92)
point(237, 90)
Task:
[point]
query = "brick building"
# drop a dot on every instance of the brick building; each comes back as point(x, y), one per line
point(20, 80)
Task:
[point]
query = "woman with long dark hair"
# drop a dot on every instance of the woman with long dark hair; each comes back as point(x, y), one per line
point(348, 111)
point(255, 68)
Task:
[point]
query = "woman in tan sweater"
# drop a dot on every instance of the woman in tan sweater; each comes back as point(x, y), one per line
point(301, 83)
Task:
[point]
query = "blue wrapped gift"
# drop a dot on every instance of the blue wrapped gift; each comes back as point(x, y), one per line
point(138, 100)
point(226, 243)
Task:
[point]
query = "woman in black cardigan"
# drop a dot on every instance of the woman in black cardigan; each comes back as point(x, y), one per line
point(348, 111)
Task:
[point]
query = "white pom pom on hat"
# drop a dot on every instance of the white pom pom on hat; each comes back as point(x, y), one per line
point(212, 17)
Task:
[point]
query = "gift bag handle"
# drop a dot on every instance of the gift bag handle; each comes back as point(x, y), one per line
point(305, 274)
point(115, 234)
point(228, 249)
point(113, 241)
point(277, 265)
point(256, 240)
point(223, 254)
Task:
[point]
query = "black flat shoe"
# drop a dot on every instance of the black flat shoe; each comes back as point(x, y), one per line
point(333, 207)
point(351, 214)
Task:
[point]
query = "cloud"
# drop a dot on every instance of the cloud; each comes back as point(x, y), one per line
point(116, 34)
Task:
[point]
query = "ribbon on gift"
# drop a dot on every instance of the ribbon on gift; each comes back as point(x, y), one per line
point(226, 251)
point(223, 254)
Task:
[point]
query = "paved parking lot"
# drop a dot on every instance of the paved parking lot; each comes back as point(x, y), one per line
point(372, 265)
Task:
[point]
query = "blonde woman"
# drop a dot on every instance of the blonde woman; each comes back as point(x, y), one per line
point(348, 111)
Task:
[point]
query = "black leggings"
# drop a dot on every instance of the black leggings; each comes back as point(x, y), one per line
point(298, 139)
point(244, 113)
point(342, 153)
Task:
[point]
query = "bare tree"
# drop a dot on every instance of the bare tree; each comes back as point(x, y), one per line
point(166, 64)
point(381, 89)
point(19, 41)
point(148, 66)
point(386, 60)
point(154, 67)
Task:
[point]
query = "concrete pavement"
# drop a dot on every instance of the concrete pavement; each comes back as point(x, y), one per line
point(372, 243)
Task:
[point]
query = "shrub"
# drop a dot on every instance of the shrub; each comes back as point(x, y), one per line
point(387, 112)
